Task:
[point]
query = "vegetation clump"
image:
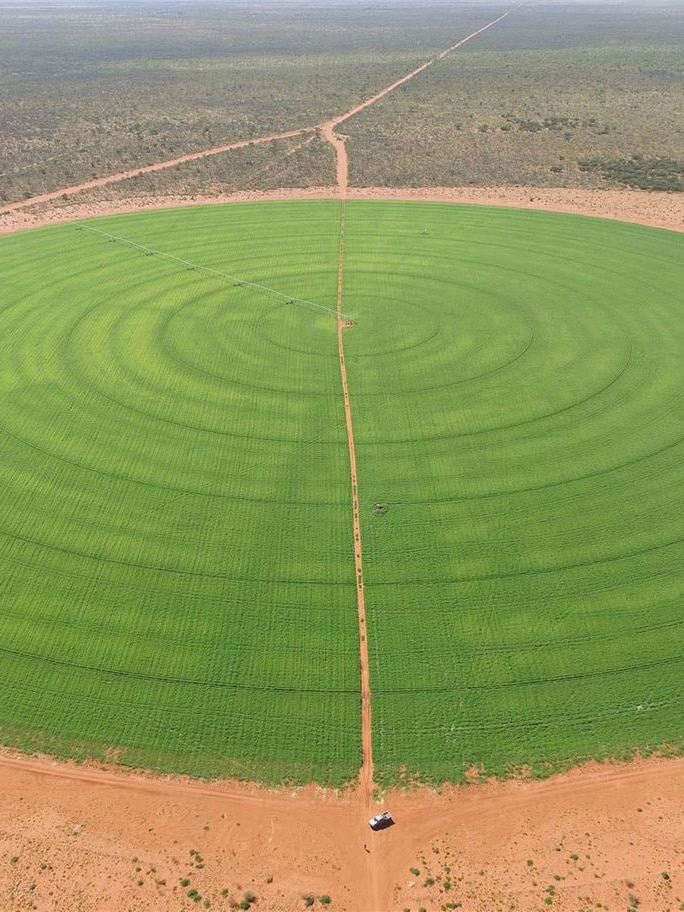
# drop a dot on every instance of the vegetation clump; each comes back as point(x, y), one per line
point(639, 172)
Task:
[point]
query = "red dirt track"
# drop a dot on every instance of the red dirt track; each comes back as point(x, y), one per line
point(588, 833)
point(147, 169)
point(91, 838)
point(75, 830)
point(85, 824)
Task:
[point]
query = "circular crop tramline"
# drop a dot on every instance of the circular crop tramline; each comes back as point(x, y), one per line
point(176, 544)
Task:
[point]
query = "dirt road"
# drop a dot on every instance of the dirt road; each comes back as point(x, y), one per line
point(101, 841)
point(147, 169)
point(366, 784)
point(90, 838)
point(329, 128)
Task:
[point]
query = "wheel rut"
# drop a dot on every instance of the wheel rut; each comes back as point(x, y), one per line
point(366, 783)
point(338, 142)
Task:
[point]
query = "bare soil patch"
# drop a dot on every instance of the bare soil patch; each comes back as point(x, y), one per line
point(661, 210)
point(91, 838)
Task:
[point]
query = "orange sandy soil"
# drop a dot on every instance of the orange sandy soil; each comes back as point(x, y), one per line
point(77, 839)
point(662, 210)
point(100, 839)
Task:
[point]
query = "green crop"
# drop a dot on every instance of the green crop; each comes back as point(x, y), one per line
point(176, 541)
point(175, 556)
point(517, 381)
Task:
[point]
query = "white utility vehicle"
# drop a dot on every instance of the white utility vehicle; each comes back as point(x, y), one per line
point(380, 821)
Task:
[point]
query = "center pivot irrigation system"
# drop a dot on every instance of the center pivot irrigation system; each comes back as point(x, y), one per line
point(207, 270)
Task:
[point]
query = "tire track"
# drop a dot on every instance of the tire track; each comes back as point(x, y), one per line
point(337, 141)
point(328, 129)
point(366, 783)
point(148, 169)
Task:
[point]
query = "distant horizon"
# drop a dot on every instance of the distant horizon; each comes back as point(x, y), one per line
point(320, 4)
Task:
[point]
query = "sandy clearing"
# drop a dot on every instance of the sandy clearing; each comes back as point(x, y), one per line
point(587, 833)
point(656, 209)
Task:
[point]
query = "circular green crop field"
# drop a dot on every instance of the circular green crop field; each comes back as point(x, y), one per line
point(176, 554)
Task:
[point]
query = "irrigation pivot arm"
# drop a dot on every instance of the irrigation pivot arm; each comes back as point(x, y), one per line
point(187, 264)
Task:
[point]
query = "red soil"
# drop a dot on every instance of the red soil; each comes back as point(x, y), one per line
point(92, 838)
point(84, 837)
point(657, 209)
